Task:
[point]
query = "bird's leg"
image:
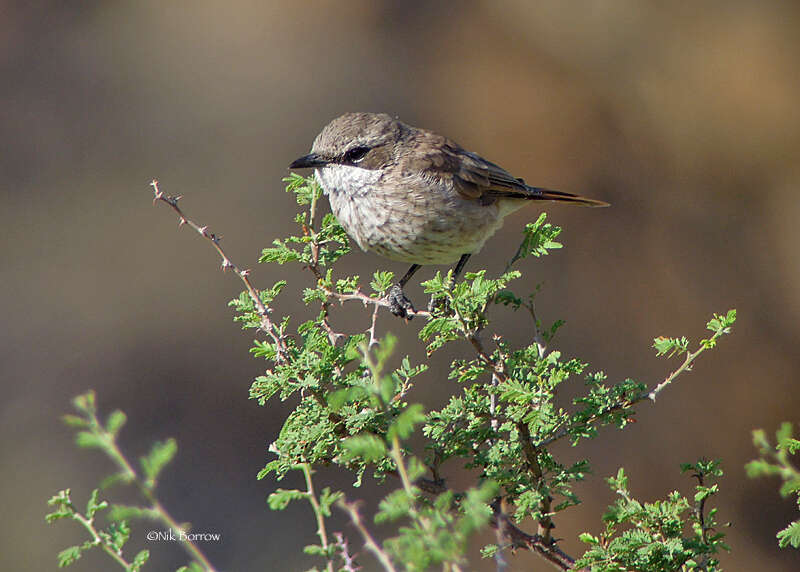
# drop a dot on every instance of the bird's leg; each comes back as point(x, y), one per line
point(399, 305)
point(462, 262)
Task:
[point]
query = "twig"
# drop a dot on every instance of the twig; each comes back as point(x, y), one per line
point(533, 542)
point(542, 542)
point(499, 558)
point(396, 453)
point(349, 562)
point(369, 542)
point(333, 336)
point(263, 312)
point(359, 296)
point(145, 489)
point(312, 498)
point(501, 535)
point(534, 467)
point(645, 395)
point(685, 366)
point(372, 339)
point(541, 344)
point(88, 524)
point(493, 401)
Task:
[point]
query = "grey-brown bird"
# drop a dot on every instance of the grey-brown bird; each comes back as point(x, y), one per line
point(415, 196)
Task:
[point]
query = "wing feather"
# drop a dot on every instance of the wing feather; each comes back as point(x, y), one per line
point(476, 178)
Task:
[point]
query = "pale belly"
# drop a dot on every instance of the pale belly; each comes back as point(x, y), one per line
point(419, 224)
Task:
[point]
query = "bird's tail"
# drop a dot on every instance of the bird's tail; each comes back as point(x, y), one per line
point(538, 194)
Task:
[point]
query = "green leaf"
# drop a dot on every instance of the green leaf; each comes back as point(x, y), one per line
point(119, 533)
point(403, 425)
point(63, 504)
point(670, 346)
point(115, 422)
point(281, 498)
point(75, 421)
point(620, 482)
point(508, 298)
point(382, 281)
point(93, 505)
point(115, 478)
point(367, 447)
point(539, 239)
point(327, 499)
point(279, 253)
point(121, 512)
point(160, 455)
point(140, 560)
point(761, 468)
point(783, 435)
point(69, 556)
point(192, 567)
point(790, 536)
point(722, 324)
point(86, 403)
point(315, 550)
point(760, 439)
point(87, 440)
point(304, 188)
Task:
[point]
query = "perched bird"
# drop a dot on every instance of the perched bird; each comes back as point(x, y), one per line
point(415, 196)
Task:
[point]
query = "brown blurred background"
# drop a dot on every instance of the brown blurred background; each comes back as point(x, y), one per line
point(684, 118)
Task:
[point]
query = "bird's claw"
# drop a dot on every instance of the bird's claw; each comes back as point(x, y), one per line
point(438, 303)
point(399, 305)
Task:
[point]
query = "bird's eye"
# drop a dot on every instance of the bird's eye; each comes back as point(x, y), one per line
point(355, 154)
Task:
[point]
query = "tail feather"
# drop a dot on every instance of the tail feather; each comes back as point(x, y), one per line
point(538, 194)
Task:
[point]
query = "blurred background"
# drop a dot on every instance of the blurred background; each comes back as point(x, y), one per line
point(683, 117)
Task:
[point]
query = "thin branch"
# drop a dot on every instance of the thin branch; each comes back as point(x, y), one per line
point(263, 312)
point(349, 562)
point(88, 524)
point(333, 336)
point(533, 542)
point(501, 536)
point(543, 542)
point(145, 489)
point(493, 402)
point(397, 455)
point(312, 498)
point(685, 366)
point(645, 395)
point(369, 541)
point(372, 339)
point(499, 558)
point(538, 338)
point(367, 300)
point(310, 231)
point(534, 467)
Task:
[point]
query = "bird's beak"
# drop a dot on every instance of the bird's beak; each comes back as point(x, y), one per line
point(307, 161)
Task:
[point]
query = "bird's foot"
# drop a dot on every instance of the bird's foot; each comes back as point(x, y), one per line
point(399, 305)
point(438, 303)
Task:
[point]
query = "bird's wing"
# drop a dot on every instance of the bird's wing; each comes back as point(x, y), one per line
point(478, 179)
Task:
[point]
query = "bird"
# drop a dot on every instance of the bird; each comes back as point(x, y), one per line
point(414, 196)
